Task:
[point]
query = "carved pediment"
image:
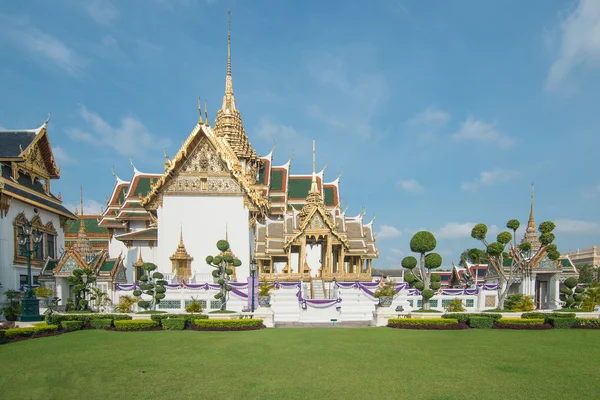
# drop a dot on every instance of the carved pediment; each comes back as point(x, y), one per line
point(203, 160)
point(316, 222)
point(69, 265)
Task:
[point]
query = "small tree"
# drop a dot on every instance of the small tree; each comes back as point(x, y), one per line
point(521, 258)
point(423, 243)
point(100, 298)
point(153, 285)
point(571, 294)
point(223, 263)
point(591, 297)
point(82, 281)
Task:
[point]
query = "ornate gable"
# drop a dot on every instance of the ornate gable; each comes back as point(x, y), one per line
point(203, 172)
point(69, 264)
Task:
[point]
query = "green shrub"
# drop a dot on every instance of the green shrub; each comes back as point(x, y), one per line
point(423, 321)
point(173, 324)
point(588, 322)
point(2, 337)
point(189, 318)
point(533, 315)
point(135, 325)
point(519, 302)
point(101, 323)
point(72, 325)
point(228, 324)
point(520, 321)
point(455, 305)
point(29, 331)
point(464, 318)
point(561, 322)
point(481, 322)
point(86, 318)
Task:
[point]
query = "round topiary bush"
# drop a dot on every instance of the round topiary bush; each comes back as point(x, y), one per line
point(222, 245)
point(427, 294)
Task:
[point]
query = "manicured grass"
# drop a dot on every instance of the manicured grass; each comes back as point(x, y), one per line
point(375, 363)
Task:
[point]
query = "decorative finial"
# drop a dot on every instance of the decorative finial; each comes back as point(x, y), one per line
point(47, 119)
point(313, 186)
point(228, 42)
point(165, 152)
point(131, 162)
point(200, 111)
point(274, 146)
point(181, 233)
point(106, 200)
point(226, 232)
point(341, 173)
point(205, 114)
point(113, 171)
point(81, 198)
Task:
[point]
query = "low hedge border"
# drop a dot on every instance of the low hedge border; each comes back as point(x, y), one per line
point(546, 316)
point(33, 331)
point(227, 324)
point(561, 323)
point(85, 318)
point(101, 323)
point(523, 327)
point(72, 325)
point(189, 318)
point(587, 323)
point(520, 321)
point(464, 318)
point(478, 322)
point(173, 324)
point(426, 323)
point(136, 325)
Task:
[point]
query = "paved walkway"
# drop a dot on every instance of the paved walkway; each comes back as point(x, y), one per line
point(346, 324)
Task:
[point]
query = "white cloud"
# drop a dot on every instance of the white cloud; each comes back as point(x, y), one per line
point(270, 130)
point(580, 42)
point(430, 116)
point(43, 47)
point(90, 207)
point(487, 178)
point(410, 186)
point(388, 232)
point(131, 138)
point(461, 230)
point(102, 12)
point(61, 156)
point(592, 192)
point(481, 131)
point(571, 226)
point(349, 93)
point(397, 252)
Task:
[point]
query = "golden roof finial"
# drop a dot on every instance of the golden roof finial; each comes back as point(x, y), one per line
point(313, 186)
point(226, 232)
point(47, 119)
point(200, 111)
point(228, 42)
point(531, 222)
point(205, 114)
point(181, 233)
point(131, 162)
point(81, 221)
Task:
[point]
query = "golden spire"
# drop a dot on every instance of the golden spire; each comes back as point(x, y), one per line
point(228, 99)
point(531, 222)
point(181, 234)
point(228, 42)
point(205, 114)
point(81, 221)
point(313, 186)
point(82, 244)
point(200, 112)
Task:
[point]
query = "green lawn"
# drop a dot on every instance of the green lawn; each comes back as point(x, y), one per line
point(375, 363)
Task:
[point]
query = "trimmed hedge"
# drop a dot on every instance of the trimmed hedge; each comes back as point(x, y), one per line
point(173, 324)
point(86, 318)
point(228, 324)
point(189, 318)
point(101, 323)
point(12, 333)
point(72, 325)
point(520, 321)
point(464, 318)
point(587, 323)
point(423, 321)
point(547, 316)
point(478, 322)
point(135, 325)
point(561, 323)
point(426, 323)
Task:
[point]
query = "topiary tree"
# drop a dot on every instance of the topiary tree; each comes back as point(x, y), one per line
point(224, 263)
point(515, 260)
point(151, 284)
point(571, 294)
point(81, 280)
point(423, 243)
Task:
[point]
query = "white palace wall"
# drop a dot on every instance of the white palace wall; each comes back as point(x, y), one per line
point(203, 220)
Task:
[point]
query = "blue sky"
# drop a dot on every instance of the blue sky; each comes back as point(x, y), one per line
point(439, 113)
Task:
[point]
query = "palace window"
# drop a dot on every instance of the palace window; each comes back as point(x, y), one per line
point(51, 245)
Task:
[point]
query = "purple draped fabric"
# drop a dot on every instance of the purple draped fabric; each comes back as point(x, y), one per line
point(126, 286)
point(279, 285)
point(471, 291)
point(492, 286)
point(316, 303)
point(366, 287)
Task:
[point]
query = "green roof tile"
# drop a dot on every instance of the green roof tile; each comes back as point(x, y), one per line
point(262, 172)
point(299, 187)
point(91, 226)
point(143, 186)
point(276, 180)
point(329, 196)
point(107, 266)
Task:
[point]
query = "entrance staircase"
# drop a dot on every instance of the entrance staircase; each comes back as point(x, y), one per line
point(318, 289)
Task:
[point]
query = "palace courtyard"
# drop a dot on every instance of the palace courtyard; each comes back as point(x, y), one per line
point(336, 363)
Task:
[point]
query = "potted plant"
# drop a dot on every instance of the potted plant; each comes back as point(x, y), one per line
point(385, 293)
point(43, 292)
point(13, 309)
point(264, 298)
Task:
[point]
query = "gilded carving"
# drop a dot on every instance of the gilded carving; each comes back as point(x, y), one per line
point(203, 159)
point(222, 185)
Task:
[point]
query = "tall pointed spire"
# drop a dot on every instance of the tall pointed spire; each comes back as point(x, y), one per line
point(531, 222)
point(313, 186)
point(228, 124)
point(83, 245)
point(81, 220)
